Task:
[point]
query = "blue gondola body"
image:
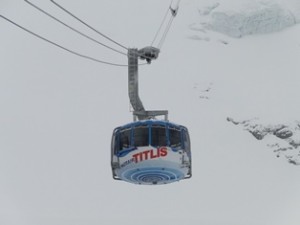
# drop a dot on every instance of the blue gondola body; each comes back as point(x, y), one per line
point(151, 152)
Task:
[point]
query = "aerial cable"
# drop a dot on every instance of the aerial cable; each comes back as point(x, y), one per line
point(166, 24)
point(71, 14)
point(163, 21)
point(81, 21)
point(73, 29)
point(60, 46)
point(162, 40)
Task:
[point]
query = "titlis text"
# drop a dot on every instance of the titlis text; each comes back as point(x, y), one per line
point(150, 154)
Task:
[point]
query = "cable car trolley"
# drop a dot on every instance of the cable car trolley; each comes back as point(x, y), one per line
point(149, 151)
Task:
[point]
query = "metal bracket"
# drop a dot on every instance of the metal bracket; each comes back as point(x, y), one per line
point(148, 53)
point(150, 114)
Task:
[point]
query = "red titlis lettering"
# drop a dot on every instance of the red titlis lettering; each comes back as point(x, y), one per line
point(150, 154)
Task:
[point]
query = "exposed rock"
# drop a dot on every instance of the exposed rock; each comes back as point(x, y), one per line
point(288, 133)
point(203, 90)
point(258, 134)
point(283, 133)
point(248, 17)
point(261, 18)
point(295, 143)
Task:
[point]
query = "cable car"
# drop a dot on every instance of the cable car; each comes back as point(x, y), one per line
point(147, 151)
point(151, 152)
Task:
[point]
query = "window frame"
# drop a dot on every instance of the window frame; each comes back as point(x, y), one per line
point(163, 126)
point(134, 128)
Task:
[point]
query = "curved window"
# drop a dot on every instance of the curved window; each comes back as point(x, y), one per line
point(186, 142)
point(175, 137)
point(114, 142)
point(141, 135)
point(158, 135)
point(124, 139)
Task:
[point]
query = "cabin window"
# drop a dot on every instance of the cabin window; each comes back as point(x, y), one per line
point(175, 137)
point(141, 135)
point(114, 142)
point(186, 141)
point(158, 135)
point(124, 139)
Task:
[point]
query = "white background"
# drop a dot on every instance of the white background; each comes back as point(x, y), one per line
point(57, 113)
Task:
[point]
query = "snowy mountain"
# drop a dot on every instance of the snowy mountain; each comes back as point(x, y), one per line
point(243, 18)
point(240, 18)
point(282, 138)
point(226, 67)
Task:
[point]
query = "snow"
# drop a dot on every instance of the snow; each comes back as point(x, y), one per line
point(240, 18)
point(281, 138)
point(58, 112)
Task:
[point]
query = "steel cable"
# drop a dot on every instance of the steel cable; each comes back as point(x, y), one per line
point(60, 46)
point(73, 29)
point(92, 28)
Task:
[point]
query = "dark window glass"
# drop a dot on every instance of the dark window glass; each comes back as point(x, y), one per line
point(186, 141)
point(115, 142)
point(141, 135)
point(124, 139)
point(174, 134)
point(158, 134)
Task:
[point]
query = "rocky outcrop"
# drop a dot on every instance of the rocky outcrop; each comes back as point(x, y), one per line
point(247, 17)
point(284, 139)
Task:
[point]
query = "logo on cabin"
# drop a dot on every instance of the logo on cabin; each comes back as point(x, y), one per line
point(146, 155)
point(150, 154)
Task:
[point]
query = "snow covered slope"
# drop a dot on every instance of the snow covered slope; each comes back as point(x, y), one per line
point(240, 18)
point(284, 139)
point(58, 112)
point(270, 93)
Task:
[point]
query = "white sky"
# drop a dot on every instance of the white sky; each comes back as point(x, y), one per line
point(57, 113)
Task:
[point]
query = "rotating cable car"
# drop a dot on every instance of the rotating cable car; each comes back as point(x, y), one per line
point(147, 150)
point(151, 152)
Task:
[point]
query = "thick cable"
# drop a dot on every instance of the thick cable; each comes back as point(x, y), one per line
point(60, 46)
point(159, 29)
point(162, 40)
point(81, 21)
point(73, 29)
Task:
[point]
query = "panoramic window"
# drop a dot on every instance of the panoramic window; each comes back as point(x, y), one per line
point(158, 134)
point(141, 135)
point(174, 134)
point(186, 141)
point(124, 139)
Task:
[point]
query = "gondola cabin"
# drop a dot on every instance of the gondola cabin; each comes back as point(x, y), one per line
point(151, 152)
